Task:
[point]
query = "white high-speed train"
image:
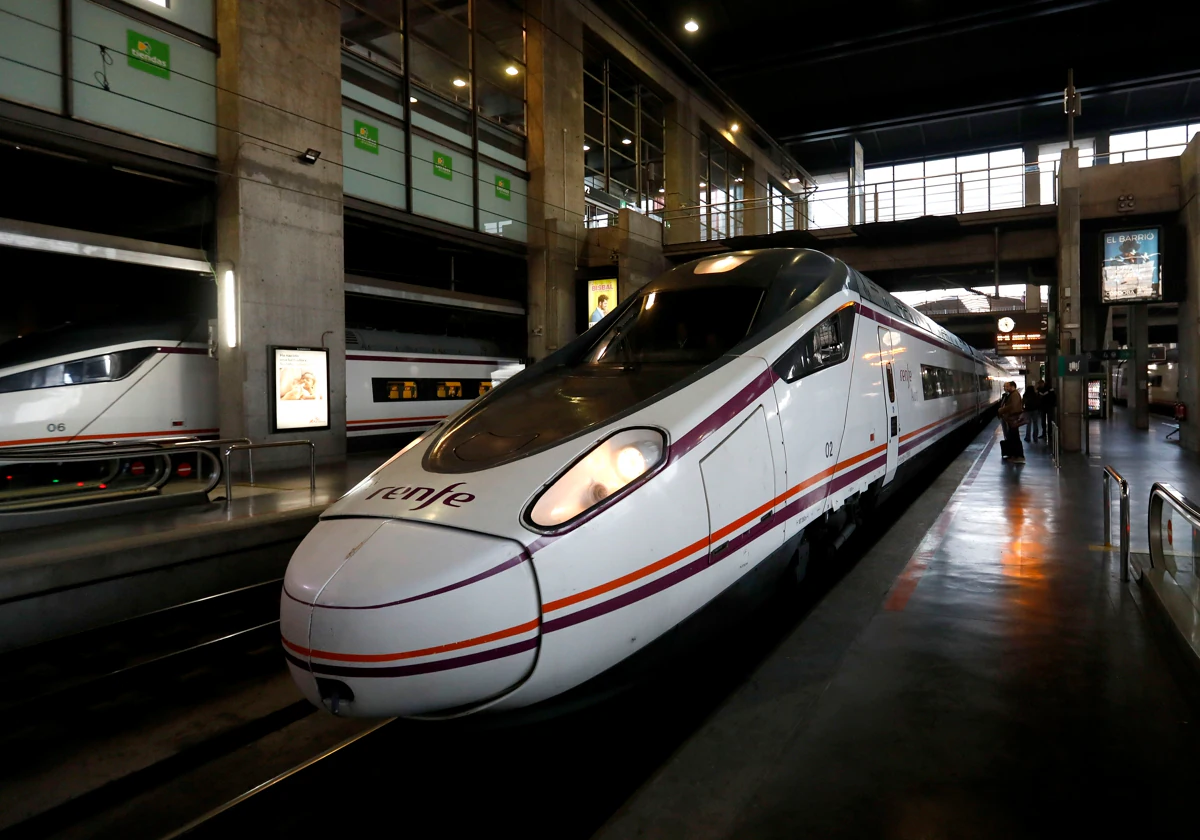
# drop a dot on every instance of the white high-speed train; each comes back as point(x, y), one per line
point(154, 379)
point(1162, 381)
point(703, 434)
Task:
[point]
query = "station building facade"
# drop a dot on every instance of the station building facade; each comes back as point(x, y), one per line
point(261, 152)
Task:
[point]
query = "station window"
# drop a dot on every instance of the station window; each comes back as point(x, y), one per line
point(783, 207)
point(722, 189)
point(624, 124)
point(374, 30)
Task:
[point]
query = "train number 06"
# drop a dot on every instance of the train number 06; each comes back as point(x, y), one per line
point(56, 427)
point(829, 449)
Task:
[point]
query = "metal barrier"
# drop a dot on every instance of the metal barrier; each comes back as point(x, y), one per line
point(1161, 494)
point(159, 451)
point(248, 447)
point(1109, 472)
point(1055, 453)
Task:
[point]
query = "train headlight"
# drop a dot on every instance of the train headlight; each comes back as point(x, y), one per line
point(610, 467)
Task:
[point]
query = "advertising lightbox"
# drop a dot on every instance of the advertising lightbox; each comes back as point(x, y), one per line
point(1131, 266)
point(300, 386)
point(601, 299)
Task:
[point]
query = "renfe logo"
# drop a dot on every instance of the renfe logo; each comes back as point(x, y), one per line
point(426, 495)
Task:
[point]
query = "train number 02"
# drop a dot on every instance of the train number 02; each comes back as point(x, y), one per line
point(56, 427)
point(829, 449)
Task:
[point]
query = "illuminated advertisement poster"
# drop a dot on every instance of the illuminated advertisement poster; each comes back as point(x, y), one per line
point(601, 298)
point(300, 381)
point(1131, 269)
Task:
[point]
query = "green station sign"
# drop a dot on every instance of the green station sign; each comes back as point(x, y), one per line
point(148, 55)
point(504, 188)
point(366, 137)
point(443, 165)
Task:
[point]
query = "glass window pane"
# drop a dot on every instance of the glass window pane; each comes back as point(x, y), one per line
point(434, 70)
point(623, 112)
point(593, 124)
point(372, 29)
point(593, 92)
point(621, 139)
point(501, 25)
point(1127, 141)
point(940, 167)
point(1175, 135)
point(501, 86)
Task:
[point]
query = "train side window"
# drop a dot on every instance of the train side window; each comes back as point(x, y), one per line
point(449, 390)
point(825, 345)
point(394, 390)
point(484, 387)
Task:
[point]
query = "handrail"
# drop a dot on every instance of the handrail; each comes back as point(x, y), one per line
point(1055, 452)
point(249, 447)
point(154, 480)
point(1159, 493)
point(1109, 472)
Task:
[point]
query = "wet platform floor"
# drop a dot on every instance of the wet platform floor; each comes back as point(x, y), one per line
point(997, 681)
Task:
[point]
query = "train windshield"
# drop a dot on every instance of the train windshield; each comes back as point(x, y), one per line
point(685, 326)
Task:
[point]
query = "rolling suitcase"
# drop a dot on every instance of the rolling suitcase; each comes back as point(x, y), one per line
point(1004, 453)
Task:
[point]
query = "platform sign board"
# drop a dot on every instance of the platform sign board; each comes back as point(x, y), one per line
point(1131, 266)
point(299, 388)
point(601, 299)
point(1022, 334)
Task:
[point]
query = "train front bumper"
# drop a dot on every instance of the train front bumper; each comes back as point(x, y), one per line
point(384, 617)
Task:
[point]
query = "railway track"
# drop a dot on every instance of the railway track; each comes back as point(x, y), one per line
point(100, 717)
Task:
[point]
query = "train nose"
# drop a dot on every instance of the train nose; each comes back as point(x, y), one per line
point(384, 617)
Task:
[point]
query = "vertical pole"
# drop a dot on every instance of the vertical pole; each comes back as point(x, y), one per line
point(67, 39)
point(406, 92)
point(473, 67)
point(996, 255)
point(1124, 531)
point(962, 194)
point(1108, 512)
point(1070, 105)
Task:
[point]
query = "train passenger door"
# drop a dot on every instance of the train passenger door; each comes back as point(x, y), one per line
point(887, 339)
point(740, 484)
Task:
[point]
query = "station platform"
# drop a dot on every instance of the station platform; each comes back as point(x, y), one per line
point(981, 671)
point(61, 579)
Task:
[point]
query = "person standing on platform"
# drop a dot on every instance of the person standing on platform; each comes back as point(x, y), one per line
point(1047, 402)
point(1032, 404)
point(1010, 418)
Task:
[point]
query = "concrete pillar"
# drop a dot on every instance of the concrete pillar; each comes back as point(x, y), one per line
point(639, 251)
point(683, 173)
point(1033, 176)
point(757, 215)
point(1189, 309)
point(554, 44)
point(1033, 297)
point(1072, 395)
point(1138, 321)
point(279, 221)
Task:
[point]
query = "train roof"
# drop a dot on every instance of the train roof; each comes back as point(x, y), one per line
point(81, 337)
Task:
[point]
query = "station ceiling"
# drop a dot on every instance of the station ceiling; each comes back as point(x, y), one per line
point(923, 78)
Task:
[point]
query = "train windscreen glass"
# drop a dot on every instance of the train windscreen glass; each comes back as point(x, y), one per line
point(686, 326)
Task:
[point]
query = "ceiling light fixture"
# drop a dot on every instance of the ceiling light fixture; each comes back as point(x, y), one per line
point(412, 99)
point(703, 184)
point(793, 180)
point(511, 70)
point(692, 26)
point(733, 127)
point(586, 147)
point(625, 141)
point(460, 83)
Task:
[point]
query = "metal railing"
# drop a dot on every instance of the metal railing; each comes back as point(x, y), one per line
point(1055, 444)
point(1162, 495)
point(159, 452)
point(248, 447)
point(1110, 473)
